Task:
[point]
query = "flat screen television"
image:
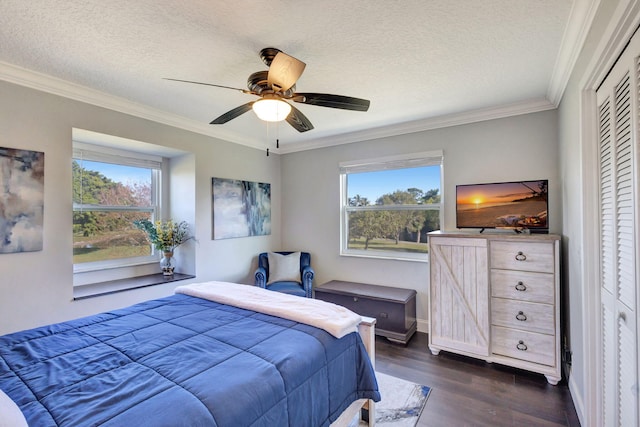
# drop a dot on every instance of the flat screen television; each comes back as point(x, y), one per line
point(519, 205)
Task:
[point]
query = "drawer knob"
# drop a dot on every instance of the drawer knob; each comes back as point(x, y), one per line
point(521, 316)
point(521, 287)
point(355, 299)
point(521, 346)
point(521, 257)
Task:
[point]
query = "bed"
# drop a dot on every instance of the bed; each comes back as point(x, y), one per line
point(213, 354)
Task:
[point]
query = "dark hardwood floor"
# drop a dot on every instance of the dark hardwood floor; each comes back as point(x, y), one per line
point(470, 392)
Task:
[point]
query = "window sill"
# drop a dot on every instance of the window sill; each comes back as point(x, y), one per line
point(423, 257)
point(121, 285)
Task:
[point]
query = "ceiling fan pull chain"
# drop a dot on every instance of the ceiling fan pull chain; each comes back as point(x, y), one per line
point(268, 136)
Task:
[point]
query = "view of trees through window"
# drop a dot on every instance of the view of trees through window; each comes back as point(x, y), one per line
point(393, 220)
point(107, 198)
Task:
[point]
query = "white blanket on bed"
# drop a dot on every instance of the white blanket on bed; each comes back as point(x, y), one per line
point(336, 320)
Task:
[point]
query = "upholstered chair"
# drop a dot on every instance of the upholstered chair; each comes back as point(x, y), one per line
point(286, 272)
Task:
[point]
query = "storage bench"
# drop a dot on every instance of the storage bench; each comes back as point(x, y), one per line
point(394, 308)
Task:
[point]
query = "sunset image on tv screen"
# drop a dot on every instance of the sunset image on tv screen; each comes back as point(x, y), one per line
point(521, 204)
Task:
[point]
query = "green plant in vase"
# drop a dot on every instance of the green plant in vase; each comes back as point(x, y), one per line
point(165, 236)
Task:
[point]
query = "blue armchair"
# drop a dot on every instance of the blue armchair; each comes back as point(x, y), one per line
point(287, 278)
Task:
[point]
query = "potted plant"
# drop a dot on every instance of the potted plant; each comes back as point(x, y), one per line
point(165, 236)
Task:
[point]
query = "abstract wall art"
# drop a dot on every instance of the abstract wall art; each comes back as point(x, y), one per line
point(240, 208)
point(21, 200)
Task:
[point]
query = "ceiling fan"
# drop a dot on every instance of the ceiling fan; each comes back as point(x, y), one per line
point(277, 86)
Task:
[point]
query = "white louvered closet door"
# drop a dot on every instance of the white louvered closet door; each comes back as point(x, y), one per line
point(618, 99)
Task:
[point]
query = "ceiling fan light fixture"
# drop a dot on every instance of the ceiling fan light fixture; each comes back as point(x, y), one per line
point(271, 110)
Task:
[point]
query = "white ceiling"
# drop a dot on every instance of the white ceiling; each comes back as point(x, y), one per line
point(422, 63)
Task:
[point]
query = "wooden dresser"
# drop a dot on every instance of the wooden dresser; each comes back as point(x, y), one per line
point(497, 297)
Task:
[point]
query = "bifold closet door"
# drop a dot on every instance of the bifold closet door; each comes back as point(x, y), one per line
point(618, 113)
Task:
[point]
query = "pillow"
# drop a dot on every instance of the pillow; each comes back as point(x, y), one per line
point(284, 268)
point(11, 414)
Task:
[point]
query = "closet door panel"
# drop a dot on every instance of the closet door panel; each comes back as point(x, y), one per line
point(618, 193)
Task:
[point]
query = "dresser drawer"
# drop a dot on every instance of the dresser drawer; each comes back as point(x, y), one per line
point(529, 316)
point(529, 346)
point(524, 256)
point(523, 285)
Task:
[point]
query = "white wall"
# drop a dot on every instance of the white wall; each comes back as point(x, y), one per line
point(36, 287)
point(521, 147)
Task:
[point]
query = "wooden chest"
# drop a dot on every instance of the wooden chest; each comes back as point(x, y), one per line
point(393, 308)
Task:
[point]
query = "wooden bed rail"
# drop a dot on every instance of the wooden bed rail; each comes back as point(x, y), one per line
point(367, 331)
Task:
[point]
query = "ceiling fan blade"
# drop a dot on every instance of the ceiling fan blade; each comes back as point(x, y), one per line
point(284, 71)
point(298, 120)
point(210, 84)
point(332, 101)
point(232, 114)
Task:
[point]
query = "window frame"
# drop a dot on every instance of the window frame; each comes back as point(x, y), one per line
point(83, 151)
point(406, 161)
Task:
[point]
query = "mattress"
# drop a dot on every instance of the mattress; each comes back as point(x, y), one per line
point(183, 360)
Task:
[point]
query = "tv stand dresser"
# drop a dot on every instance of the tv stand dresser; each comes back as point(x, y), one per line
point(497, 297)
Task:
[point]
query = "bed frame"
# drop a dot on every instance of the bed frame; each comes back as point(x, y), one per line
point(367, 331)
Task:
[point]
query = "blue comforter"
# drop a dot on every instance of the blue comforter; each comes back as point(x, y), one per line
point(183, 361)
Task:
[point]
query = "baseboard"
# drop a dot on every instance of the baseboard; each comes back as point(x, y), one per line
point(423, 325)
point(576, 396)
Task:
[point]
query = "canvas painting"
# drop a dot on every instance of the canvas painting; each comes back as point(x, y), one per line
point(240, 208)
point(21, 200)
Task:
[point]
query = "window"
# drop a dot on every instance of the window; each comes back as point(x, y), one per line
point(111, 189)
point(390, 204)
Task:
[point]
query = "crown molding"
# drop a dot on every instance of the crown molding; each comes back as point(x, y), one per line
point(53, 85)
point(580, 20)
point(56, 86)
point(423, 125)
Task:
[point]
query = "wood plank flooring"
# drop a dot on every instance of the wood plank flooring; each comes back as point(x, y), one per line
point(470, 392)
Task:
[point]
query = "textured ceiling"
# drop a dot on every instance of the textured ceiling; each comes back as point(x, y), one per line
point(418, 61)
